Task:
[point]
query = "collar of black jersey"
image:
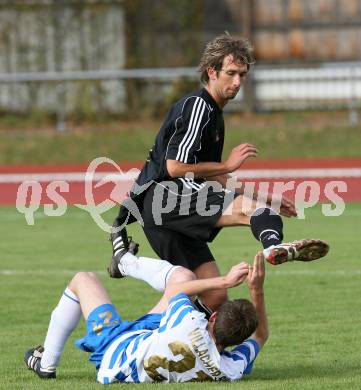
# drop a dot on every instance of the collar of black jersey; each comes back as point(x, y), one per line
point(210, 100)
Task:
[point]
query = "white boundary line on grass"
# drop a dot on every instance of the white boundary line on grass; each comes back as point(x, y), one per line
point(8, 178)
point(284, 272)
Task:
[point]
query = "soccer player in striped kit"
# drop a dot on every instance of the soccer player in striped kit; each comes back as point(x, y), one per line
point(174, 342)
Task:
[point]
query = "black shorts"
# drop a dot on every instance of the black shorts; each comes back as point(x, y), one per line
point(178, 223)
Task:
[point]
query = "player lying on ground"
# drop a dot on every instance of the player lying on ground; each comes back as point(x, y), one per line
point(173, 342)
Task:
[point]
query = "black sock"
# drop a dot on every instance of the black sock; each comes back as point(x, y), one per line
point(266, 226)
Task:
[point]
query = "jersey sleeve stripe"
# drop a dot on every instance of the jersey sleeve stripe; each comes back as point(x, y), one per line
point(181, 315)
point(172, 308)
point(188, 133)
point(253, 347)
point(178, 297)
point(172, 311)
point(193, 126)
point(195, 132)
point(247, 351)
point(235, 356)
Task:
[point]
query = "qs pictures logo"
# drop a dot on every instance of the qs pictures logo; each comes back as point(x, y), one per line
point(103, 186)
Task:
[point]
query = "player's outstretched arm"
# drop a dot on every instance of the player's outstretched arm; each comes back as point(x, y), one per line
point(235, 276)
point(236, 158)
point(179, 169)
point(255, 282)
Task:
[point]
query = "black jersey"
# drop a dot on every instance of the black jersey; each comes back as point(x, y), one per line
point(193, 132)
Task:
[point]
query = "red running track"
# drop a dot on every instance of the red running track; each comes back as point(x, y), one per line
point(341, 177)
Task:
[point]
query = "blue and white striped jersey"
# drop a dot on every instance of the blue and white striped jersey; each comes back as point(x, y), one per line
point(179, 350)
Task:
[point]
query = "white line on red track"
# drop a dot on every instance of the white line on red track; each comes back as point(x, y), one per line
point(7, 178)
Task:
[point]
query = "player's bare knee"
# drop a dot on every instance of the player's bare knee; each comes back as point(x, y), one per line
point(81, 278)
point(242, 208)
point(181, 274)
point(234, 216)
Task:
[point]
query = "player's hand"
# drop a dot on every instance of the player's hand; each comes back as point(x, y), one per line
point(255, 278)
point(237, 274)
point(238, 156)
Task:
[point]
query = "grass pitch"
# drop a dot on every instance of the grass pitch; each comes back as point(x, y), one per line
point(313, 308)
point(292, 134)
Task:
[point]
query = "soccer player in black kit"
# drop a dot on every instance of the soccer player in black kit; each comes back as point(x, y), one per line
point(184, 194)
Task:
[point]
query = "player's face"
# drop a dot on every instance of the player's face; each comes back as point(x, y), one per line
point(228, 81)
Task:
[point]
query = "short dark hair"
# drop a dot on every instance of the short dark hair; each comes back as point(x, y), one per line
point(236, 321)
point(220, 47)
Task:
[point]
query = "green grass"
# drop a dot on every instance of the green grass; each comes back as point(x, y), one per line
point(313, 308)
point(277, 135)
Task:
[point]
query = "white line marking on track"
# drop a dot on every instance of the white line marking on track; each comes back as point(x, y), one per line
point(298, 173)
point(8, 178)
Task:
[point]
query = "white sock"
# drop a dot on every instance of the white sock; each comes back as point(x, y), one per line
point(64, 319)
point(152, 271)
